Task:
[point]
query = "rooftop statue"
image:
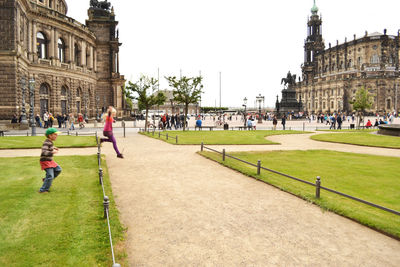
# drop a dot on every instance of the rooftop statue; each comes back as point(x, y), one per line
point(100, 4)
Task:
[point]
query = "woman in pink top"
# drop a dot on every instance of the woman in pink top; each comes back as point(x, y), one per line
point(109, 119)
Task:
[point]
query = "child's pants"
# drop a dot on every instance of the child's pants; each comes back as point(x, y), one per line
point(51, 174)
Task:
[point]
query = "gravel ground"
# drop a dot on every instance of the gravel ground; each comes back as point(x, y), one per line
point(184, 210)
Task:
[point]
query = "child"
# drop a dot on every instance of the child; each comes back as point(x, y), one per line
point(46, 160)
point(108, 132)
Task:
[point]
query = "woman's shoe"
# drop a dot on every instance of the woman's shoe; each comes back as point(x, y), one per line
point(120, 156)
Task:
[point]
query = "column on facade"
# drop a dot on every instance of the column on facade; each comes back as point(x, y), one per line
point(72, 50)
point(95, 60)
point(55, 43)
point(33, 36)
point(51, 44)
point(83, 53)
point(29, 36)
point(18, 25)
point(90, 63)
point(70, 47)
point(118, 62)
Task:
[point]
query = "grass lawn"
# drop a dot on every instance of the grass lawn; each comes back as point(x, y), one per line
point(14, 142)
point(62, 228)
point(221, 137)
point(372, 178)
point(360, 138)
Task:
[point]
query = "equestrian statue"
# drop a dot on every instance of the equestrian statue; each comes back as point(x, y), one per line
point(289, 80)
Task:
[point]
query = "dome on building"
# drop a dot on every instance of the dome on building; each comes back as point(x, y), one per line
point(314, 9)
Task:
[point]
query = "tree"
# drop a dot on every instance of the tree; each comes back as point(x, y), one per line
point(186, 91)
point(361, 102)
point(144, 91)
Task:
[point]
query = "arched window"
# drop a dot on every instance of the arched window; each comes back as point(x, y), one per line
point(61, 50)
point(78, 92)
point(388, 104)
point(77, 55)
point(375, 59)
point(350, 63)
point(44, 90)
point(64, 91)
point(41, 45)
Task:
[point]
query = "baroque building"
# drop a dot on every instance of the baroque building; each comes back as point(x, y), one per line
point(75, 67)
point(330, 77)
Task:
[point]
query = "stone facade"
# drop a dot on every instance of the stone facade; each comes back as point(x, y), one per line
point(332, 76)
point(74, 66)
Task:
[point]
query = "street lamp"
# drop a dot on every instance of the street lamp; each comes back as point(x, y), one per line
point(244, 114)
point(259, 99)
point(23, 115)
point(32, 105)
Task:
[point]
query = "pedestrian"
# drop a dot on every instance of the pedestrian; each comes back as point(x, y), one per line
point(65, 120)
point(46, 119)
point(38, 121)
point(71, 122)
point(59, 120)
point(284, 122)
point(47, 163)
point(339, 122)
point(14, 119)
point(274, 122)
point(108, 132)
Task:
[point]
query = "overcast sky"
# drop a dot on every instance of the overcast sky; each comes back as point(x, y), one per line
point(253, 43)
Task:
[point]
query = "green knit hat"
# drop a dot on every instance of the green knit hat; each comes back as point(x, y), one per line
point(52, 131)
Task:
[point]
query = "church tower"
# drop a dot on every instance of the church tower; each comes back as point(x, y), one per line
point(110, 83)
point(313, 45)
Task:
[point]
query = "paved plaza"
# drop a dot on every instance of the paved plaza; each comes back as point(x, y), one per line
point(181, 209)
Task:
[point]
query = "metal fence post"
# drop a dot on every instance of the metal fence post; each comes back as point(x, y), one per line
point(223, 154)
point(304, 126)
point(159, 134)
point(317, 187)
point(259, 167)
point(123, 124)
point(202, 147)
point(167, 136)
point(68, 132)
point(100, 176)
point(176, 139)
point(76, 133)
point(27, 133)
point(153, 133)
point(106, 203)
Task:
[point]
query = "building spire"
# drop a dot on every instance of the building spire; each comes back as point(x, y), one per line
point(314, 9)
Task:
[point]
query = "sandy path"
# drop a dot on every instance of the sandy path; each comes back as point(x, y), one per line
point(184, 210)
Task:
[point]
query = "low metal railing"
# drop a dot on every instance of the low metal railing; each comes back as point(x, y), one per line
point(153, 132)
point(106, 201)
point(317, 184)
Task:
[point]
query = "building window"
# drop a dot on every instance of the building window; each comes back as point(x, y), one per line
point(61, 50)
point(44, 90)
point(77, 55)
point(41, 43)
point(375, 59)
point(359, 61)
point(50, 3)
point(332, 105)
point(388, 102)
point(78, 92)
point(64, 91)
point(350, 63)
point(323, 105)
